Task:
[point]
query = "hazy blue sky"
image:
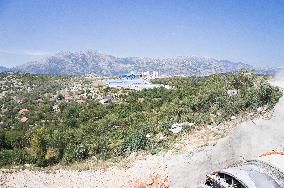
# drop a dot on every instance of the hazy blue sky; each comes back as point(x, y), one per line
point(247, 31)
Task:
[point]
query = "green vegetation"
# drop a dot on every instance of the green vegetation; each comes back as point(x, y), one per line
point(61, 130)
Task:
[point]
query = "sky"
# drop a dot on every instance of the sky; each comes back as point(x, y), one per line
point(238, 30)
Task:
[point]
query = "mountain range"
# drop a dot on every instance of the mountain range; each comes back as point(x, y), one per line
point(3, 69)
point(80, 63)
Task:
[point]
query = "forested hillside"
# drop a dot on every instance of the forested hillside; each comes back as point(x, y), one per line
point(41, 125)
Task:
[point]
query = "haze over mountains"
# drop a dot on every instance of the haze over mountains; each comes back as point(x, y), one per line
point(90, 61)
point(3, 69)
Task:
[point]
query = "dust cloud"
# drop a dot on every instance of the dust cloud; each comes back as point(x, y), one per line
point(279, 76)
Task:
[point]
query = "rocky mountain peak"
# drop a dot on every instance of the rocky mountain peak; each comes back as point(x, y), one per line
point(92, 61)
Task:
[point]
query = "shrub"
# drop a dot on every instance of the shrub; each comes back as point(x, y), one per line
point(133, 142)
point(268, 95)
point(75, 152)
point(14, 157)
point(39, 144)
point(82, 152)
point(2, 140)
point(52, 156)
point(15, 138)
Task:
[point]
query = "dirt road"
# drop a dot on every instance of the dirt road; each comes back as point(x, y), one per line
point(245, 141)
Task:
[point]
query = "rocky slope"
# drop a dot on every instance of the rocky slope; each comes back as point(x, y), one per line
point(107, 65)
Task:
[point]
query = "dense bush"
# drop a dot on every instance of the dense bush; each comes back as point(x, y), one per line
point(39, 144)
point(14, 157)
point(139, 120)
point(133, 142)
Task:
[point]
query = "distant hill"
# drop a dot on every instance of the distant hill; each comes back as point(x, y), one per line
point(107, 65)
point(3, 69)
point(269, 71)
